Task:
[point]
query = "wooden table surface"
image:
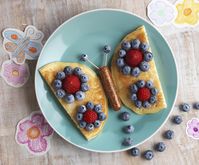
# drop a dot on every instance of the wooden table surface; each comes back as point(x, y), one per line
point(15, 103)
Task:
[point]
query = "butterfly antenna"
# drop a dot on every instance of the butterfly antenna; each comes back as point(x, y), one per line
point(84, 57)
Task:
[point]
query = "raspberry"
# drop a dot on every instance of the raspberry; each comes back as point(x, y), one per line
point(71, 84)
point(134, 57)
point(90, 116)
point(143, 94)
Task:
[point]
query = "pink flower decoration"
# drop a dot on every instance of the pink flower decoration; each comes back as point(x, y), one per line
point(34, 132)
point(15, 75)
point(193, 128)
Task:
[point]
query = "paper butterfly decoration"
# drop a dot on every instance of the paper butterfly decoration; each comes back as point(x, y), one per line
point(22, 45)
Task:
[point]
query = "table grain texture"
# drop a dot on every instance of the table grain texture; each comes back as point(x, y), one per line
point(16, 103)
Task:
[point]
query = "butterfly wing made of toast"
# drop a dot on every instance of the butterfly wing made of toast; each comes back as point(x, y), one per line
point(22, 45)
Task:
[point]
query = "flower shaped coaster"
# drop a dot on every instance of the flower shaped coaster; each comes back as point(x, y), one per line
point(187, 12)
point(192, 129)
point(22, 45)
point(34, 133)
point(161, 12)
point(15, 75)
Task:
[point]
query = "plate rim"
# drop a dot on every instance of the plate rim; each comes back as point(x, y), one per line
point(123, 11)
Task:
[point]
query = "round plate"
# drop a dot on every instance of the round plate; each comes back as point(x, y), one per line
point(88, 33)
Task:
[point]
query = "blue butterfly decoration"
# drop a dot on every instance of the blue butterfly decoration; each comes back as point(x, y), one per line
point(22, 45)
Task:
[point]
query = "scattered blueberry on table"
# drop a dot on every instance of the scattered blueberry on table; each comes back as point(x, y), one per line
point(160, 147)
point(169, 134)
point(135, 151)
point(177, 119)
point(185, 107)
point(148, 155)
point(196, 105)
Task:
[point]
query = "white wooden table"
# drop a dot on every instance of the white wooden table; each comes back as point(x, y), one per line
point(15, 104)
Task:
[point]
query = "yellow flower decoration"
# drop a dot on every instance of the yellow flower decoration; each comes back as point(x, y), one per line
point(187, 12)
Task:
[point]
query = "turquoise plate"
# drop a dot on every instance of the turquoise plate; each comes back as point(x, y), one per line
point(87, 33)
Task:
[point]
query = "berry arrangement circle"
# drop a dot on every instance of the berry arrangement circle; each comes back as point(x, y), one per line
point(71, 84)
point(134, 57)
point(89, 116)
point(143, 93)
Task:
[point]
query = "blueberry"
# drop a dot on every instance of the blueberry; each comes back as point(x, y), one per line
point(57, 84)
point(138, 103)
point(144, 66)
point(185, 107)
point(79, 95)
point(60, 93)
point(146, 104)
point(149, 84)
point(128, 129)
point(154, 91)
point(98, 108)
point(140, 83)
point(101, 116)
point(79, 116)
point(120, 62)
point(160, 147)
point(82, 124)
point(134, 88)
point(152, 99)
point(169, 134)
point(82, 109)
point(127, 141)
point(133, 97)
point(126, 70)
point(122, 53)
point(69, 98)
point(148, 154)
point(124, 116)
point(126, 45)
point(89, 127)
point(84, 78)
point(148, 56)
point(89, 105)
point(84, 87)
point(77, 71)
point(135, 43)
point(97, 123)
point(177, 119)
point(135, 72)
point(107, 49)
point(60, 75)
point(68, 70)
point(83, 57)
point(196, 105)
point(135, 151)
point(144, 46)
